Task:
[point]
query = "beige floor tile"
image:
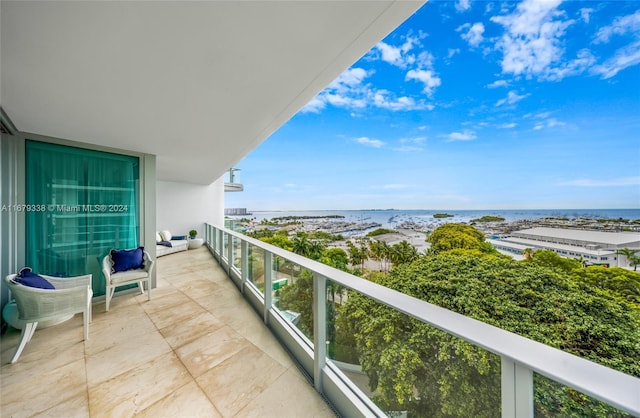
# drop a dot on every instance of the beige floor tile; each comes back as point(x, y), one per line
point(207, 352)
point(277, 400)
point(129, 393)
point(114, 328)
point(239, 379)
point(197, 287)
point(125, 356)
point(76, 407)
point(42, 392)
point(176, 315)
point(166, 302)
point(59, 345)
point(179, 334)
point(142, 356)
point(188, 401)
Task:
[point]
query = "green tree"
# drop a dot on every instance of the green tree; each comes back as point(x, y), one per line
point(552, 260)
point(452, 236)
point(335, 257)
point(429, 373)
point(358, 254)
point(403, 253)
point(298, 297)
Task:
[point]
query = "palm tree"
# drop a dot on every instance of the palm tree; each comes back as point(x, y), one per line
point(629, 254)
point(403, 253)
point(527, 253)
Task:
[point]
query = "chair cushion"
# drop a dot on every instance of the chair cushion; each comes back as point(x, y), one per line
point(128, 276)
point(166, 235)
point(158, 237)
point(28, 278)
point(124, 260)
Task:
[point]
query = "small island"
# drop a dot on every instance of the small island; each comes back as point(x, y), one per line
point(442, 215)
point(489, 218)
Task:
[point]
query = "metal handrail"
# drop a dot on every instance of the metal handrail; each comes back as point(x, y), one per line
point(605, 384)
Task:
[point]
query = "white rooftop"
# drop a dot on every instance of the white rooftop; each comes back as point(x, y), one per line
point(611, 238)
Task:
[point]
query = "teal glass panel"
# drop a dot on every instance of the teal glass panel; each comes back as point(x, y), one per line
point(80, 205)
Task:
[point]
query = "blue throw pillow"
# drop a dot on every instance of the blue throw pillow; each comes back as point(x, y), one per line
point(124, 260)
point(28, 278)
point(178, 237)
point(165, 243)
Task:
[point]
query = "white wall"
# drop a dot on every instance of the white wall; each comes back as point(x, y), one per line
point(182, 207)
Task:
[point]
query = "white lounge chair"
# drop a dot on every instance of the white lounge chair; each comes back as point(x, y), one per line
point(121, 278)
point(70, 296)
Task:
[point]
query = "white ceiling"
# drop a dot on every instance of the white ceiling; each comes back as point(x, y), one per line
point(199, 84)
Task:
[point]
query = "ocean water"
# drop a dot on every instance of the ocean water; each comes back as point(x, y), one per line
point(390, 218)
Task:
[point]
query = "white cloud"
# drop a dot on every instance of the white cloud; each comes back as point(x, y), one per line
point(585, 14)
point(463, 5)
point(624, 57)
point(316, 105)
point(498, 83)
point(398, 55)
point(451, 52)
point(474, 33)
point(512, 97)
point(427, 77)
point(375, 143)
point(618, 182)
point(549, 123)
point(350, 91)
point(507, 125)
point(531, 43)
point(466, 135)
point(397, 186)
point(382, 100)
point(416, 140)
point(620, 26)
point(351, 77)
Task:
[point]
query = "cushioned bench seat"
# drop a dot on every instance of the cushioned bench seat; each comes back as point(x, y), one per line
point(176, 243)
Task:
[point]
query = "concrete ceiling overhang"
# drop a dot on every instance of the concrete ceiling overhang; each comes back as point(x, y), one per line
point(197, 83)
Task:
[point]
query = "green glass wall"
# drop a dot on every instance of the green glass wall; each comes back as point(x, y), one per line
point(79, 204)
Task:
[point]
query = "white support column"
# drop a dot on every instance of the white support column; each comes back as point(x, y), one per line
point(517, 390)
point(319, 328)
point(268, 284)
point(244, 257)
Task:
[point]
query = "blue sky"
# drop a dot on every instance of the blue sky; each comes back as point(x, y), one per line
point(469, 105)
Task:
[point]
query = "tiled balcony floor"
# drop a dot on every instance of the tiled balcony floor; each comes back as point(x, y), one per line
point(195, 350)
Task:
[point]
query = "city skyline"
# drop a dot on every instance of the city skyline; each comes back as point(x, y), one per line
point(469, 105)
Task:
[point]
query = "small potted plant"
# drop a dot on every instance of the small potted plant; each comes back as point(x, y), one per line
point(193, 233)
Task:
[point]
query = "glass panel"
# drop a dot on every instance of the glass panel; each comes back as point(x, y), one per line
point(407, 367)
point(237, 253)
point(87, 204)
point(225, 246)
point(552, 399)
point(293, 294)
point(256, 267)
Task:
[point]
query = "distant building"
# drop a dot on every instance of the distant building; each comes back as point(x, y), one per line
point(594, 247)
point(236, 212)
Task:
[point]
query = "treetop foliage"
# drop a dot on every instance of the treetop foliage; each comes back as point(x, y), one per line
point(414, 366)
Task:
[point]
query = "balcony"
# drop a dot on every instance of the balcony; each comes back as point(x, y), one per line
point(196, 349)
point(200, 347)
point(255, 266)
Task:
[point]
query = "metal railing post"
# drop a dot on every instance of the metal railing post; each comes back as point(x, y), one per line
point(268, 286)
point(244, 259)
point(319, 328)
point(229, 253)
point(517, 390)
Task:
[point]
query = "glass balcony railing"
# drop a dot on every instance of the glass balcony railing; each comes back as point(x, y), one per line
point(515, 371)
